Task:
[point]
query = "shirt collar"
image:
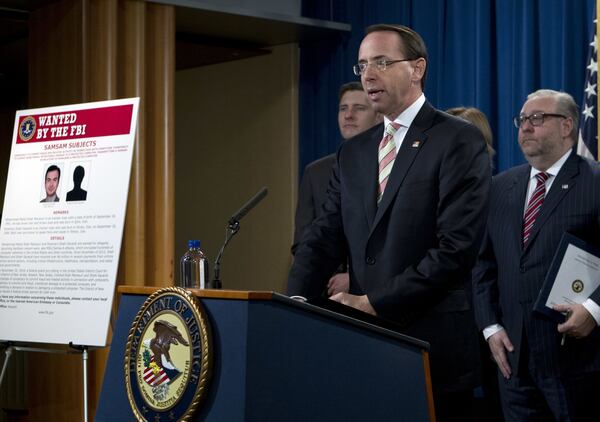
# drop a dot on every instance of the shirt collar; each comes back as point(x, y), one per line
point(555, 168)
point(407, 116)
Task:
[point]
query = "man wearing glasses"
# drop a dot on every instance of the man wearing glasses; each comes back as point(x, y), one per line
point(531, 206)
point(409, 197)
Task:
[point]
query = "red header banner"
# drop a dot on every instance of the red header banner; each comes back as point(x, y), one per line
point(88, 123)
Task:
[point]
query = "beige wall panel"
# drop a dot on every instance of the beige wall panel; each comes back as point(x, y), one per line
point(236, 132)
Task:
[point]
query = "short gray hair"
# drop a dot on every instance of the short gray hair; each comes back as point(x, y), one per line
point(565, 104)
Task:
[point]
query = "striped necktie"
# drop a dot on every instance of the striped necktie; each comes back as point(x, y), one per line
point(387, 155)
point(534, 205)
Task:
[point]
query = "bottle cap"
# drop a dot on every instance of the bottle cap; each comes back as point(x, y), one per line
point(193, 243)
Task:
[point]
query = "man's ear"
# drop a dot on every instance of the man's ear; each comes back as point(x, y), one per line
point(419, 69)
point(566, 127)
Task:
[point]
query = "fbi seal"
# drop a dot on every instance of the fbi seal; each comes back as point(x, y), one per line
point(168, 358)
point(577, 286)
point(27, 128)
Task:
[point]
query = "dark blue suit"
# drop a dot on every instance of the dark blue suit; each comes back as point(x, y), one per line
point(508, 278)
point(411, 254)
point(312, 195)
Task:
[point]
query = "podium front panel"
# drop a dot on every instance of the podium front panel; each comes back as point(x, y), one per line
point(276, 361)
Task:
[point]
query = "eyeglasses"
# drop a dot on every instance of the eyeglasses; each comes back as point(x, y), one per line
point(536, 119)
point(380, 64)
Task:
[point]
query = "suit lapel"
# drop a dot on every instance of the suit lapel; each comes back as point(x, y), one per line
point(564, 182)
point(411, 146)
point(370, 154)
point(516, 205)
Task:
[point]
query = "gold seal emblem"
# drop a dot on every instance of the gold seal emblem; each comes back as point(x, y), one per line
point(577, 286)
point(27, 128)
point(168, 357)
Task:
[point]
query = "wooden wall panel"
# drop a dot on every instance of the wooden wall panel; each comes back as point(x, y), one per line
point(132, 30)
point(55, 54)
point(160, 138)
point(100, 53)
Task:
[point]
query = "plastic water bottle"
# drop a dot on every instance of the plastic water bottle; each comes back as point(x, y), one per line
point(193, 267)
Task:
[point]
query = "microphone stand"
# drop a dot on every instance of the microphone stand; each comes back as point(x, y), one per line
point(233, 226)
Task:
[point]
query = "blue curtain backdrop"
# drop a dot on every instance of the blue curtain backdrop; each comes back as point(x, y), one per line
point(487, 54)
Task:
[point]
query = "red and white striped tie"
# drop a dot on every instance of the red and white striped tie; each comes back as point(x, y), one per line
point(534, 205)
point(387, 155)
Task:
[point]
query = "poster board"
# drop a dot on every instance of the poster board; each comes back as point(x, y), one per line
point(62, 221)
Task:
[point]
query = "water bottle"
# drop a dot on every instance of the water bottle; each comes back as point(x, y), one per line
point(193, 267)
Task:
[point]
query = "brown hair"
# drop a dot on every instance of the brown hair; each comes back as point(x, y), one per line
point(350, 86)
point(476, 117)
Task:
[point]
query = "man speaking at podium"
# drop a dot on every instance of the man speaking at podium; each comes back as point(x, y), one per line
point(409, 197)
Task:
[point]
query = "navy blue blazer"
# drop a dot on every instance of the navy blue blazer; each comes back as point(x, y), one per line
point(412, 254)
point(508, 278)
point(312, 195)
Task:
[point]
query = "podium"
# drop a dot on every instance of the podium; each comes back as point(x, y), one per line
point(277, 359)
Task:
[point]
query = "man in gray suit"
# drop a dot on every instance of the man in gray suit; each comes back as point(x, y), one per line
point(355, 115)
point(531, 206)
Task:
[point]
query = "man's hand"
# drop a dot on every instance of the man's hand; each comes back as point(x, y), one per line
point(338, 283)
point(579, 324)
point(499, 344)
point(359, 302)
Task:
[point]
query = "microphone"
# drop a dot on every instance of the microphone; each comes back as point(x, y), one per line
point(235, 218)
point(233, 226)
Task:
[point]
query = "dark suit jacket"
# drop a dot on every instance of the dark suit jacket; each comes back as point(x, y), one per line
point(411, 254)
point(507, 279)
point(312, 195)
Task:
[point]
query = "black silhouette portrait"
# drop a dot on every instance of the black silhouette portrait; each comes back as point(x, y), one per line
point(77, 194)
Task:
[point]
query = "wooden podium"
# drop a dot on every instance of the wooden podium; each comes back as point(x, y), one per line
point(277, 359)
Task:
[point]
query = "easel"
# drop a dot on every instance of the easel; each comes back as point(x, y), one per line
point(74, 349)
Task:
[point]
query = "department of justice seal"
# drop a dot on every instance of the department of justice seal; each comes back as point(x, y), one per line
point(577, 286)
point(168, 358)
point(27, 128)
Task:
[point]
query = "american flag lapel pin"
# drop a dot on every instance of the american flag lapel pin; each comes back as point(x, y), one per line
point(416, 144)
point(565, 186)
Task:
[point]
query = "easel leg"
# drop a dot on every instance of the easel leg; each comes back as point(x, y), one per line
point(84, 357)
point(7, 355)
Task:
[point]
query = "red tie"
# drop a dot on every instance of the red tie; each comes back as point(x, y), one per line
point(534, 205)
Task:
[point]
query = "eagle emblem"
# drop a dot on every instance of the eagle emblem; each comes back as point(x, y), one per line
point(168, 357)
point(159, 367)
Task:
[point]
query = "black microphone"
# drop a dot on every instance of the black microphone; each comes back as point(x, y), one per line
point(235, 218)
point(233, 226)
